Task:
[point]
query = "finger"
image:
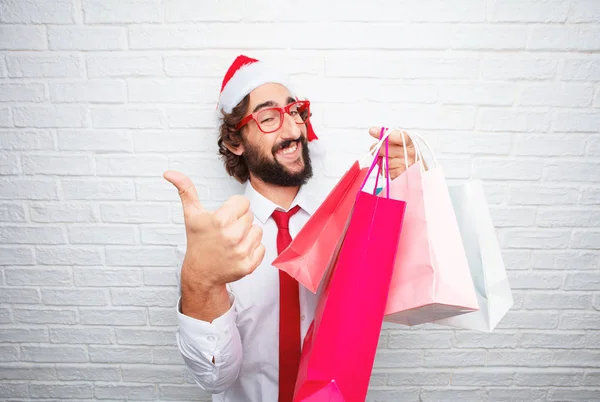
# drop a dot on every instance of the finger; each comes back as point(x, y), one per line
point(395, 151)
point(252, 240)
point(185, 187)
point(258, 255)
point(238, 230)
point(395, 138)
point(232, 210)
point(375, 132)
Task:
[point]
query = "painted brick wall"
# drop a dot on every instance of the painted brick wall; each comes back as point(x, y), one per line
point(99, 97)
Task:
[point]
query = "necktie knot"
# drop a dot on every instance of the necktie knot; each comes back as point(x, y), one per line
point(282, 219)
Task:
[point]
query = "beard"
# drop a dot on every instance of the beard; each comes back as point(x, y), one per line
point(271, 171)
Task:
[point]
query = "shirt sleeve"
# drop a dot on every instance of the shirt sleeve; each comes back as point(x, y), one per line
point(201, 341)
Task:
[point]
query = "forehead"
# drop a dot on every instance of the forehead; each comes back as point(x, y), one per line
point(269, 92)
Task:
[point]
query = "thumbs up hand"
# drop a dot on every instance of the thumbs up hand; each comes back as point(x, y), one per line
point(222, 246)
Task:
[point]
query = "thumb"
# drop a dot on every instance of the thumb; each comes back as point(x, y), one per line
point(185, 187)
point(375, 132)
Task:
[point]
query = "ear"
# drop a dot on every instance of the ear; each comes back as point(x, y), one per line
point(239, 150)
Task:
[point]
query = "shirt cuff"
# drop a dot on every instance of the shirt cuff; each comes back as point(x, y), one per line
point(208, 336)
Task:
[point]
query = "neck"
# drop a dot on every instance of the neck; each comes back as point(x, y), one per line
point(282, 196)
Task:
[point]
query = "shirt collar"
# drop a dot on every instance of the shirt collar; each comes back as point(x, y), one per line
point(263, 208)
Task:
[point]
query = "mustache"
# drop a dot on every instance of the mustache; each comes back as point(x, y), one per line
point(287, 143)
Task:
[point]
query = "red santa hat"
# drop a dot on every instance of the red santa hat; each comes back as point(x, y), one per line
point(243, 76)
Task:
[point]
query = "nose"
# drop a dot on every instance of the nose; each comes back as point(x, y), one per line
point(289, 128)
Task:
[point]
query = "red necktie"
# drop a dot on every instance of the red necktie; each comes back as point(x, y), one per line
point(289, 314)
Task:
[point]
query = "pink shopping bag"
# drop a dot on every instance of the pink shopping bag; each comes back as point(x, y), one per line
point(339, 348)
point(431, 279)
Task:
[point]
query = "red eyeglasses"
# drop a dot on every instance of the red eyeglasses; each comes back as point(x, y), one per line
point(271, 119)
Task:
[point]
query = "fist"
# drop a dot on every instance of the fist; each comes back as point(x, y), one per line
point(222, 246)
point(397, 160)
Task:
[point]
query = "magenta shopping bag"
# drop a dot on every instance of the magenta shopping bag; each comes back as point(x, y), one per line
point(339, 348)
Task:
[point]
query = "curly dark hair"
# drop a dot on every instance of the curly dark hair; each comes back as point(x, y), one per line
point(235, 165)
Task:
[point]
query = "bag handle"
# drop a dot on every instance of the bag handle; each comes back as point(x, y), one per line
point(375, 152)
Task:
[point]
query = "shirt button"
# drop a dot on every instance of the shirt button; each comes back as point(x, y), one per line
point(302, 317)
point(211, 338)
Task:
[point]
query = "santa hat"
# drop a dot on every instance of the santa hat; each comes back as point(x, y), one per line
point(243, 76)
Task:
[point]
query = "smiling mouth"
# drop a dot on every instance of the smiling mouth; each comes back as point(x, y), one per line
point(288, 147)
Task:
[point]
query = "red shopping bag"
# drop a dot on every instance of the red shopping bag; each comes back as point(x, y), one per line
point(339, 348)
point(307, 257)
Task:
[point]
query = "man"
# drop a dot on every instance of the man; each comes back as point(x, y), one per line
point(242, 321)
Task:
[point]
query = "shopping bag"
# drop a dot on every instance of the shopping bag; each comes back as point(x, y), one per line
point(431, 277)
point(484, 256)
point(308, 255)
point(339, 348)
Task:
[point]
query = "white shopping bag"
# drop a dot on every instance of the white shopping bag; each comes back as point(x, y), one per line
point(484, 256)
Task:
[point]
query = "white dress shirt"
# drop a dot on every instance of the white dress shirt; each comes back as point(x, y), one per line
point(245, 340)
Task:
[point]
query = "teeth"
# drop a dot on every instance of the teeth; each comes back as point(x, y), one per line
point(290, 149)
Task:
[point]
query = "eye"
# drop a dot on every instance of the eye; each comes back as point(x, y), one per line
point(293, 112)
point(267, 120)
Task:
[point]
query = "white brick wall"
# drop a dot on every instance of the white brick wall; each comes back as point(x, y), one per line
point(98, 98)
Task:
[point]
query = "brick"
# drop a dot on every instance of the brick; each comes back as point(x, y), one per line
point(580, 320)
point(567, 95)
point(19, 296)
point(350, 90)
point(162, 277)
point(517, 259)
point(69, 212)
point(129, 391)
point(536, 239)
point(163, 317)
point(581, 70)
point(166, 355)
point(104, 277)
point(113, 11)
point(418, 378)
point(512, 217)
point(102, 235)
point(16, 256)
point(112, 317)
point(91, 373)
point(176, 141)
point(528, 11)
point(552, 340)
point(201, 166)
point(9, 164)
point(389, 359)
point(556, 301)
point(98, 189)
point(144, 297)
point(575, 121)
point(586, 239)
point(130, 117)
point(584, 11)
point(124, 64)
point(474, 36)
point(188, 117)
point(44, 65)
point(67, 165)
point(62, 391)
point(204, 64)
point(548, 378)
point(500, 119)
point(496, 169)
point(391, 66)
point(19, 37)
point(550, 145)
point(29, 335)
point(571, 171)
point(123, 165)
point(495, 193)
point(37, 12)
point(92, 91)
point(80, 335)
point(518, 67)
point(429, 394)
point(134, 213)
point(558, 37)
point(406, 340)
point(22, 92)
point(445, 358)
point(9, 353)
point(27, 372)
point(399, 394)
point(74, 297)
point(111, 354)
point(5, 317)
point(529, 320)
point(171, 91)
point(14, 390)
point(46, 316)
point(593, 146)
point(589, 195)
point(51, 354)
point(69, 255)
point(567, 394)
point(566, 259)
point(161, 190)
point(26, 140)
point(6, 117)
point(145, 337)
point(38, 276)
point(481, 378)
point(32, 235)
point(563, 217)
point(535, 280)
point(163, 235)
point(501, 94)
point(95, 140)
point(225, 189)
point(519, 358)
point(181, 392)
point(591, 378)
point(86, 38)
point(50, 116)
point(186, 11)
point(153, 374)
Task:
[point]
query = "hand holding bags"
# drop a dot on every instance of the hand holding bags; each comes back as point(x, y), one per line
point(431, 277)
point(339, 348)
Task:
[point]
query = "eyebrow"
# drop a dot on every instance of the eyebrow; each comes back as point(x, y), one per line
point(271, 103)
